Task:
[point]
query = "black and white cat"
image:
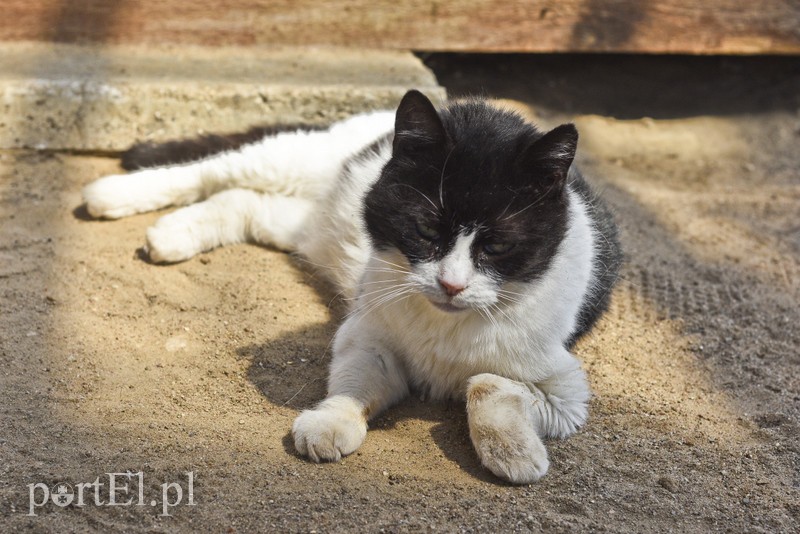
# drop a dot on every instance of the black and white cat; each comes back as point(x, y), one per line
point(475, 255)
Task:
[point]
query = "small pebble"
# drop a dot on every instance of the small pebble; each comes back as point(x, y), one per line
point(668, 484)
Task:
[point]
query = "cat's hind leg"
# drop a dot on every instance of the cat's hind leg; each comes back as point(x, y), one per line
point(121, 195)
point(228, 217)
point(300, 164)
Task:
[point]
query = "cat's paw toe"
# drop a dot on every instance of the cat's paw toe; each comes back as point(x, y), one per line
point(519, 461)
point(328, 433)
point(168, 244)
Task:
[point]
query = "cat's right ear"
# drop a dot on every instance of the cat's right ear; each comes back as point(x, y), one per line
point(417, 124)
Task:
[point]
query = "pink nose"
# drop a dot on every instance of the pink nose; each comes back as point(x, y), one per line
point(451, 289)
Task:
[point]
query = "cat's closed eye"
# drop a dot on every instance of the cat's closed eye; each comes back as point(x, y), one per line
point(427, 232)
point(495, 249)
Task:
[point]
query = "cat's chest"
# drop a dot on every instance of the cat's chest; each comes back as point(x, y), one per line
point(441, 352)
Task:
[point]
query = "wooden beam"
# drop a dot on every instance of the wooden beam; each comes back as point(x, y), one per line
point(626, 26)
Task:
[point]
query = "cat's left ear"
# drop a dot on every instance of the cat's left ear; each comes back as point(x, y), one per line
point(417, 124)
point(551, 155)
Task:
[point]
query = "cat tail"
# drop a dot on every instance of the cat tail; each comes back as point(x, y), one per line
point(149, 154)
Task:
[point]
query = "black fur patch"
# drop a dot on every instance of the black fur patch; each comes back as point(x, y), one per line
point(479, 169)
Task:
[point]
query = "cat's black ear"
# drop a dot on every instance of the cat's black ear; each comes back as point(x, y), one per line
point(417, 124)
point(550, 156)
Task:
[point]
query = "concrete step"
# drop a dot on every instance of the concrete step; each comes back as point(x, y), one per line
point(103, 98)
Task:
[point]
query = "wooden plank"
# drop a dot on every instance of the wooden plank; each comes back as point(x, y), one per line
point(656, 26)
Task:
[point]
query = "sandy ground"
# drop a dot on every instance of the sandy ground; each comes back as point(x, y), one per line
point(110, 364)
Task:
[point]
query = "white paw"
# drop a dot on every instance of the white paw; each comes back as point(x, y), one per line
point(120, 195)
point(169, 241)
point(334, 429)
point(520, 459)
point(501, 429)
point(111, 197)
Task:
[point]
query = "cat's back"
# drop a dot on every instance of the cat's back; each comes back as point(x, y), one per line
point(335, 240)
point(608, 255)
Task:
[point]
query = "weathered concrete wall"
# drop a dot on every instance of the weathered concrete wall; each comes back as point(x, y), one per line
point(104, 98)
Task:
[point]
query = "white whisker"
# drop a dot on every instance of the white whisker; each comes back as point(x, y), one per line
point(441, 178)
point(435, 207)
point(381, 290)
point(403, 268)
point(532, 204)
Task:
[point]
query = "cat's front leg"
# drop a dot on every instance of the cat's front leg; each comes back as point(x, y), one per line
point(365, 378)
point(500, 413)
point(508, 419)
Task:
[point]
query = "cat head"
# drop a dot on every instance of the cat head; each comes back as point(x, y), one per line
point(474, 197)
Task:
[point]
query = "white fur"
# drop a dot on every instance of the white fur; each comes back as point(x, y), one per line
point(457, 269)
point(505, 342)
point(334, 429)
